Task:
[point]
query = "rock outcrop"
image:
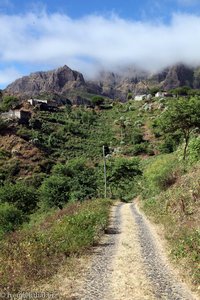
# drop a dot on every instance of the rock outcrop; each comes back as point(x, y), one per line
point(118, 86)
point(179, 75)
point(59, 81)
point(66, 83)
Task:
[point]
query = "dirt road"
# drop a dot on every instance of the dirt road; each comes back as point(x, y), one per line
point(131, 264)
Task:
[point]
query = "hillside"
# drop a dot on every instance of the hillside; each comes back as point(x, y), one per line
point(51, 172)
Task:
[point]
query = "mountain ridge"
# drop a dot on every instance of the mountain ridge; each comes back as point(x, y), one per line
point(68, 83)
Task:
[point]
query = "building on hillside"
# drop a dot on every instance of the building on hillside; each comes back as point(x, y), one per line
point(17, 114)
point(35, 102)
point(140, 97)
point(163, 94)
point(159, 94)
point(43, 104)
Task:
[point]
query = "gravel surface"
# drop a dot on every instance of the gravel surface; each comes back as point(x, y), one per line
point(166, 286)
point(128, 277)
point(130, 263)
point(97, 280)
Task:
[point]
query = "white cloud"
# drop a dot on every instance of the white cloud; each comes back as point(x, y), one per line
point(96, 41)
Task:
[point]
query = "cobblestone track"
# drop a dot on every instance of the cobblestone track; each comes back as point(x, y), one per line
point(163, 281)
point(97, 280)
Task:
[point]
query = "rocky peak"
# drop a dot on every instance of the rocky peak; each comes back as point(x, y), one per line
point(58, 81)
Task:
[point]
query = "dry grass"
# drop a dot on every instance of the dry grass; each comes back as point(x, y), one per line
point(38, 251)
point(178, 209)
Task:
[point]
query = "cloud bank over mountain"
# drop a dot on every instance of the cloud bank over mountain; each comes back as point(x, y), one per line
point(94, 42)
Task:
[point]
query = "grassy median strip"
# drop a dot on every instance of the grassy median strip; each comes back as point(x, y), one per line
point(37, 251)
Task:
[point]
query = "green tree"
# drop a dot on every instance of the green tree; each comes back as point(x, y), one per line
point(54, 191)
point(182, 115)
point(8, 102)
point(81, 178)
point(10, 218)
point(97, 100)
point(19, 194)
point(121, 175)
point(123, 123)
point(154, 90)
point(181, 91)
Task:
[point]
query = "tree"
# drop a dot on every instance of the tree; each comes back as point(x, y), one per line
point(54, 191)
point(154, 90)
point(121, 176)
point(182, 115)
point(10, 218)
point(81, 178)
point(123, 123)
point(22, 196)
point(8, 102)
point(181, 91)
point(97, 100)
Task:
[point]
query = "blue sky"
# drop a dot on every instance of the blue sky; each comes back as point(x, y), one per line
point(90, 35)
point(131, 9)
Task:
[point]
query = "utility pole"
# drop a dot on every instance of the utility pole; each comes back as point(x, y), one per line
point(105, 176)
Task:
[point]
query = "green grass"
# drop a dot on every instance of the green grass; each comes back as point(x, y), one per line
point(160, 173)
point(177, 208)
point(37, 251)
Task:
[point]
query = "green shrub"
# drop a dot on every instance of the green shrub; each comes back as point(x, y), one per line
point(81, 177)
point(97, 100)
point(22, 196)
point(194, 149)
point(168, 146)
point(8, 102)
point(38, 251)
point(122, 175)
point(35, 180)
point(10, 218)
point(140, 148)
point(4, 154)
point(9, 170)
point(161, 173)
point(137, 136)
point(24, 133)
point(54, 191)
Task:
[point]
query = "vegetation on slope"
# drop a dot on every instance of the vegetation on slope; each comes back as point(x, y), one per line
point(171, 195)
point(37, 251)
point(51, 168)
point(171, 186)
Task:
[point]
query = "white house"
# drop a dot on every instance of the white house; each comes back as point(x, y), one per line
point(43, 103)
point(34, 102)
point(140, 97)
point(14, 114)
point(159, 94)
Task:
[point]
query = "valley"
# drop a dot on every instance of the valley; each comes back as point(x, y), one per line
point(53, 215)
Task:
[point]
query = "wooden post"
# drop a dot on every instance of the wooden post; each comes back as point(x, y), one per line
point(105, 176)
